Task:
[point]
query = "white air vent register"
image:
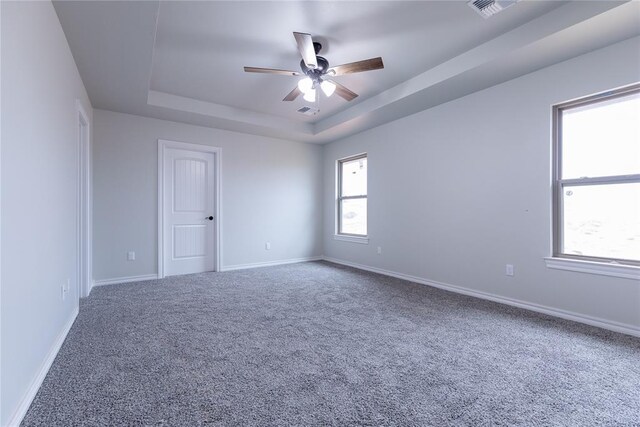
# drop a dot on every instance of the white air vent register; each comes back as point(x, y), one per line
point(308, 111)
point(488, 8)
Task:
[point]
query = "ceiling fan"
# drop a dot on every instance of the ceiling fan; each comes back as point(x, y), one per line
point(317, 72)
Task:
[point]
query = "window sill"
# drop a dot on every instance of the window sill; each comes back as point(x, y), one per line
point(594, 267)
point(352, 239)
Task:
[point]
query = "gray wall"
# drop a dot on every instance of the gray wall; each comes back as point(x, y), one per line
point(460, 190)
point(40, 84)
point(271, 192)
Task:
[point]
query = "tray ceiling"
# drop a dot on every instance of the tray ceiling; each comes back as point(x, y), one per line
point(184, 61)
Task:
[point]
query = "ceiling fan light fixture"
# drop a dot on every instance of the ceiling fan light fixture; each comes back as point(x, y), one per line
point(310, 95)
point(305, 85)
point(314, 69)
point(328, 87)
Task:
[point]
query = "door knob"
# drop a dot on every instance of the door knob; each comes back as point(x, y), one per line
point(210, 218)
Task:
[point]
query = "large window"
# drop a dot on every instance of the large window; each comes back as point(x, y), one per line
point(352, 196)
point(597, 177)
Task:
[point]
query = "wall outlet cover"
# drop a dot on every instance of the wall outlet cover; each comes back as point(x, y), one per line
point(509, 270)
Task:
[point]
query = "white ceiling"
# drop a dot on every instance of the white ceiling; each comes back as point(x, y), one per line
point(201, 47)
point(184, 61)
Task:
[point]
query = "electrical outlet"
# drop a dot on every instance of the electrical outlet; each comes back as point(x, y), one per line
point(509, 270)
point(267, 246)
point(64, 289)
point(131, 256)
point(379, 250)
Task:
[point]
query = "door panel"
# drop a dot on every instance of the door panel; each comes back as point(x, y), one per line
point(189, 241)
point(189, 186)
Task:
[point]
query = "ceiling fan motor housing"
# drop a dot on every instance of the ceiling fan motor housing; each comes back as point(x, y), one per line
point(319, 71)
point(323, 65)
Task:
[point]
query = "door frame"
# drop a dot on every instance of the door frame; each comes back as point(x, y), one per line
point(163, 145)
point(83, 200)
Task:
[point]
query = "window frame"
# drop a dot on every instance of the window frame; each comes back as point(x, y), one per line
point(339, 198)
point(558, 183)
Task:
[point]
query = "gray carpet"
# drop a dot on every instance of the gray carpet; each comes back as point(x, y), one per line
point(320, 344)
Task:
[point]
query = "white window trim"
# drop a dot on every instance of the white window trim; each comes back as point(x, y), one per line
point(353, 239)
point(559, 259)
point(612, 269)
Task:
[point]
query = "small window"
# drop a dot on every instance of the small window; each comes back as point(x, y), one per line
point(352, 196)
point(597, 177)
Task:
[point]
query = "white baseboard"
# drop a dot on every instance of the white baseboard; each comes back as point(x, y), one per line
point(128, 279)
point(563, 314)
point(270, 263)
point(31, 392)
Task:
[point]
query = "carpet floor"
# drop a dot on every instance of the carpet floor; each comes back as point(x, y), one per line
point(320, 344)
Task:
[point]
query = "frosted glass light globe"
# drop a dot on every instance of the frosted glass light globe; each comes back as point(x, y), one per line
point(310, 95)
point(328, 87)
point(305, 84)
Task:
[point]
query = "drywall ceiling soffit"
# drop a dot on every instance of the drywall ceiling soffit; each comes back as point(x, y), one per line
point(182, 61)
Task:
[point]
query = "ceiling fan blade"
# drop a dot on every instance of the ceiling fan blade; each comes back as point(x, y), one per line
point(307, 51)
point(357, 67)
point(271, 71)
point(293, 94)
point(343, 92)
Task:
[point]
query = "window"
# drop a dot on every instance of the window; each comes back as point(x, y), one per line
point(352, 196)
point(597, 177)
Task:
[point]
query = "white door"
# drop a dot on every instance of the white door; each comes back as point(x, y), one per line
point(189, 232)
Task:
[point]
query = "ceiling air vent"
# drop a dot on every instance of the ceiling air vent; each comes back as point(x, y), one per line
point(308, 111)
point(487, 8)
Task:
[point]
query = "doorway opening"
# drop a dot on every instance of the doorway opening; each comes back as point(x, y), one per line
point(83, 221)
